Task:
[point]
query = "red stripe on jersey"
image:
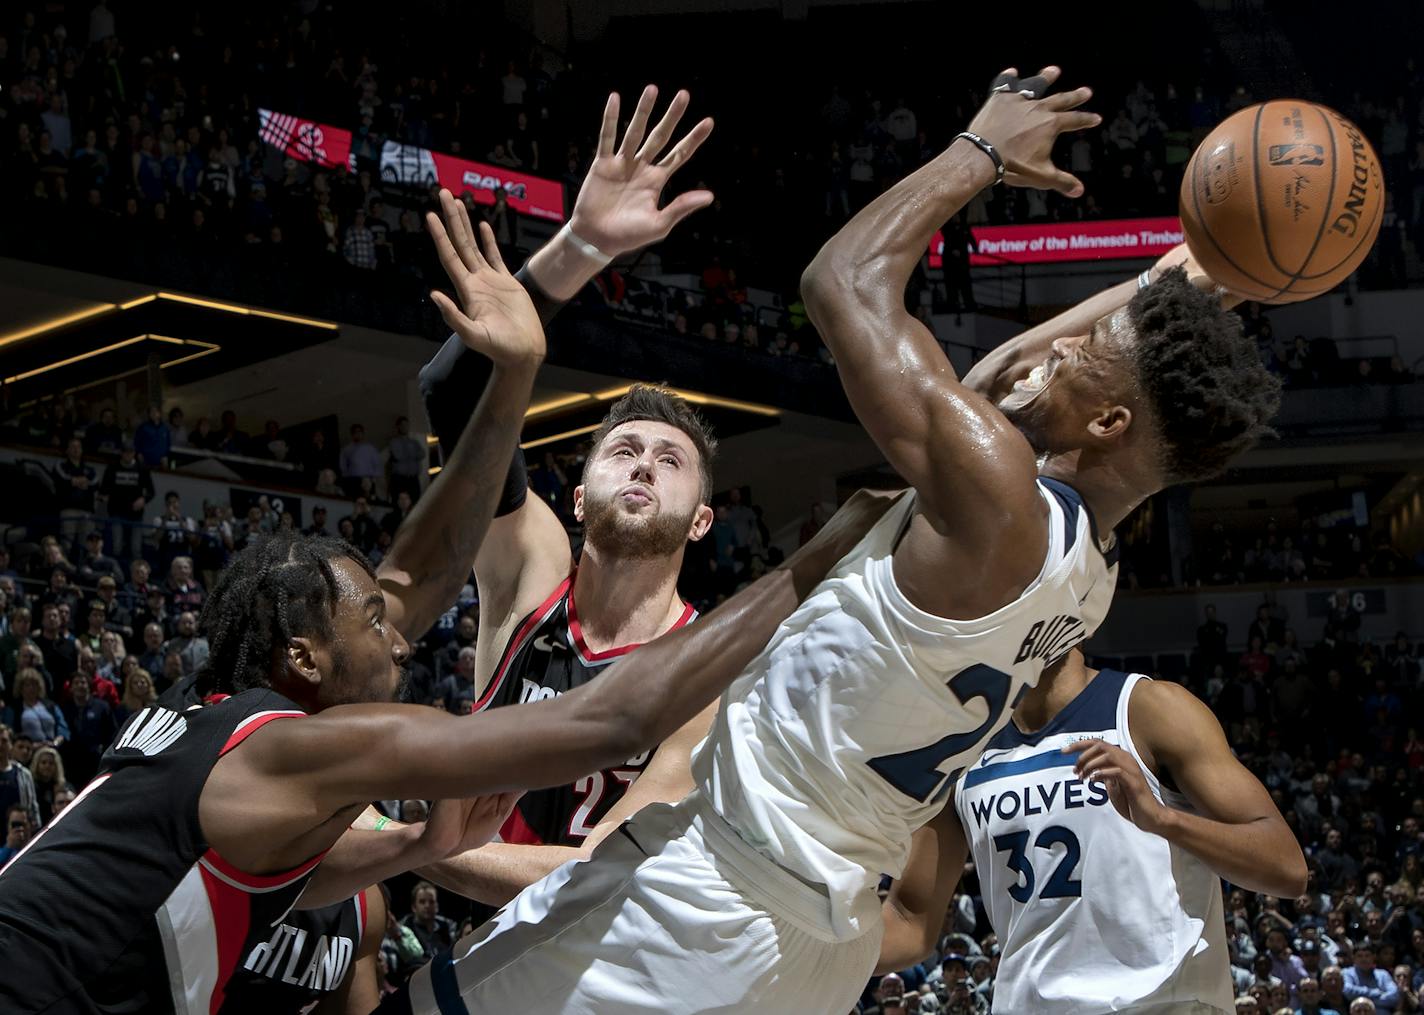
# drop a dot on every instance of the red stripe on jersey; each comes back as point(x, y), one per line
point(593, 657)
point(360, 918)
point(232, 917)
point(252, 724)
point(517, 642)
point(516, 829)
point(243, 881)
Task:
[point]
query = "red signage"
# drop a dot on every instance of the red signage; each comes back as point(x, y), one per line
point(529, 195)
point(1043, 242)
point(306, 139)
point(330, 147)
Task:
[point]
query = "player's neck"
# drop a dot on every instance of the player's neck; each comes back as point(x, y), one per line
point(625, 601)
point(1055, 690)
point(1110, 487)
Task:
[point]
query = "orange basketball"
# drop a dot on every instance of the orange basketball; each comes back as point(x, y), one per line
point(1282, 201)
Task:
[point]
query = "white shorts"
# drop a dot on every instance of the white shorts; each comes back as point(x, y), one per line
point(655, 922)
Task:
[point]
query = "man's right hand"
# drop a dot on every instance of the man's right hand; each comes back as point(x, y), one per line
point(495, 316)
point(1023, 130)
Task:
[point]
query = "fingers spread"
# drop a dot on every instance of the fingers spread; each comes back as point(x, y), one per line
point(682, 206)
point(685, 148)
point(1068, 100)
point(491, 248)
point(467, 247)
point(444, 249)
point(634, 137)
point(453, 316)
point(608, 130)
point(662, 133)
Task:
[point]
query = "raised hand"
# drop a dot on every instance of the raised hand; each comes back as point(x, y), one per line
point(495, 316)
point(1024, 129)
point(617, 209)
point(1181, 256)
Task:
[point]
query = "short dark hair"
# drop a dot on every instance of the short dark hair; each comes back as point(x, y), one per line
point(647, 401)
point(1212, 396)
point(279, 588)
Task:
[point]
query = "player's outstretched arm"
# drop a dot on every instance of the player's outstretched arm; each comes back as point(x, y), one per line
point(995, 374)
point(1237, 832)
point(350, 754)
point(429, 560)
point(495, 873)
point(948, 441)
point(914, 910)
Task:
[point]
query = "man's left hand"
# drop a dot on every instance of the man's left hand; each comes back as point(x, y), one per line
point(617, 208)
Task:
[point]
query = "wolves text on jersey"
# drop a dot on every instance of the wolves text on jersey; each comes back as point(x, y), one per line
point(1036, 799)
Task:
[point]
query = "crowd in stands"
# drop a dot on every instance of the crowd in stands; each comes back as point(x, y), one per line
point(129, 145)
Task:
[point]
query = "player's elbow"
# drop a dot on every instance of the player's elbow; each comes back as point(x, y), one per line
point(1285, 874)
point(1294, 874)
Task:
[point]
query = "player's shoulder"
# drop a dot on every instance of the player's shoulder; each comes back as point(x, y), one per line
point(1164, 713)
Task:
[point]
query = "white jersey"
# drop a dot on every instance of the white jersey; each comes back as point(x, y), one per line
point(846, 734)
point(1093, 914)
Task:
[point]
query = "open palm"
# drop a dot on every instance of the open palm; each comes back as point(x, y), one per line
point(617, 209)
point(494, 316)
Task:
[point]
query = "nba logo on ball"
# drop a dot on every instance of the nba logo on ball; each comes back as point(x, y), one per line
point(1296, 155)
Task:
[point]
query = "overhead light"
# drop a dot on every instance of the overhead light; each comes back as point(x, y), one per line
point(554, 404)
point(234, 308)
point(71, 360)
point(205, 349)
point(539, 442)
point(140, 301)
point(57, 322)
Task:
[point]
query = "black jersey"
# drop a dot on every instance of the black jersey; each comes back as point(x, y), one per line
point(119, 905)
point(546, 657)
point(288, 966)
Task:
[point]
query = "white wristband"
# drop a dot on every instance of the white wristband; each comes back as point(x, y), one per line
point(588, 250)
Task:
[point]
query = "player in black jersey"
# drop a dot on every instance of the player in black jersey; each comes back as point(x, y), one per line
point(207, 823)
point(545, 626)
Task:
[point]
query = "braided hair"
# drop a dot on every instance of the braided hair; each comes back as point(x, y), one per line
point(281, 587)
point(1212, 396)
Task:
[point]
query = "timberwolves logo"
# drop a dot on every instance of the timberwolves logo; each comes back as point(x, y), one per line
point(1296, 155)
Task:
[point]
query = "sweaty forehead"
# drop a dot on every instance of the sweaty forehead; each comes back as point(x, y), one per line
point(1115, 330)
point(353, 585)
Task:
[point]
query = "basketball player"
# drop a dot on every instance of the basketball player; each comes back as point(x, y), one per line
point(1101, 821)
point(546, 626)
point(847, 733)
point(204, 826)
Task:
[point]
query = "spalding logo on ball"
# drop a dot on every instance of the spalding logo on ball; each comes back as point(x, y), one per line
point(1282, 201)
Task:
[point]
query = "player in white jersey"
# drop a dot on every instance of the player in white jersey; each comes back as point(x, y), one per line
point(1101, 821)
point(757, 892)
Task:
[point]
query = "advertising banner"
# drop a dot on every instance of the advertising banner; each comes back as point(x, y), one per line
point(529, 195)
point(1044, 242)
point(306, 140)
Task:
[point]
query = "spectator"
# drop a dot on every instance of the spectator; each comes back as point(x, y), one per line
point(18, 634)
point(139, 692)
point(92, 728)
point(176, 532)
point(360, 462)
point(359, 247)
point(151, 659)
point(1308, 999)
point(1363, 980)
point(185, 593)
point(190, 648)
point(318, 525)
point(447, 659)
point(1211, 639)
point(95, 562)
point(317, 457)
point(76, 482)
point(104, 437)
point(391, 523)
point(47, 772)
point(1285, 966)
point(90, 637)
point(212, 548)
point(135, 593)
point(127, 488)
point(177, 432)
point(57, 646)
point(41, 720)
point(152, 439)
point(17, 784)
point(17, 820)
point(436, 933)
point(459, 686)
point(363, 526)
point(408, 461)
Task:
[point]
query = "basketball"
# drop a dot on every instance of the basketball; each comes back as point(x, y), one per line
point(1282, 201)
